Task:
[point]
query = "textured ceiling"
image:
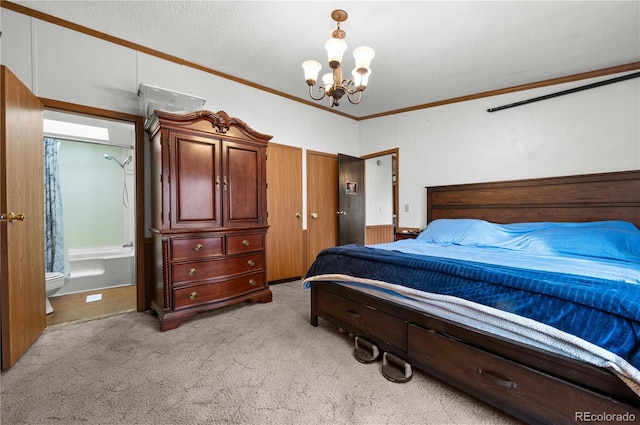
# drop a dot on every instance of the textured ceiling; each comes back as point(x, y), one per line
point(426, 51)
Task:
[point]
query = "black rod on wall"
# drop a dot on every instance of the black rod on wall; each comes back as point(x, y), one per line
point(561, 93)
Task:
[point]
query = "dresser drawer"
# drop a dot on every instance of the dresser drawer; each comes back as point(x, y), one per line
point(202, 294)
point(369, 321)
point(245, 243)
point(209, 269)
point(188, 248)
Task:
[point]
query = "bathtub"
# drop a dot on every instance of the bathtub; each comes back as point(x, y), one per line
point(98, 268)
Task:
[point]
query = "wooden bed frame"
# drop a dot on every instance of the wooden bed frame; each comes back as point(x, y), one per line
point(534, 385)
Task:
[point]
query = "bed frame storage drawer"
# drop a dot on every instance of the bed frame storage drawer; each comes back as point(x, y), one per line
point(503, 383)
point(368, 320)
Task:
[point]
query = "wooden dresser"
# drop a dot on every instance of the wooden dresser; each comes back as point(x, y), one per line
point(208, 224)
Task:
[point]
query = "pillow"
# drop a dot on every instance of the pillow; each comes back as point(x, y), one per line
point(473, 232)
point(618, 240)
point(607, 240)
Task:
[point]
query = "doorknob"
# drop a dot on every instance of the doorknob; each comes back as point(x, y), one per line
point(314, 215)
point(341, 213)
point(13, 217)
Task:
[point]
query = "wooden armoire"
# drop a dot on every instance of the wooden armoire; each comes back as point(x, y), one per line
point(209, 218)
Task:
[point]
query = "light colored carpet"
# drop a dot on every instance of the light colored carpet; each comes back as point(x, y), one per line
point(247, 364)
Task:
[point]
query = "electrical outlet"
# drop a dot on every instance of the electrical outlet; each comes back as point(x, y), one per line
point(94, 298)
point(406, 207)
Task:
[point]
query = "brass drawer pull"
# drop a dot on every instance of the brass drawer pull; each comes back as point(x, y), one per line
point(498, 381)
point(193, 295)
point(191, 272)
point(245, 242)
point(353, 313)
point(197, 248)
point(251, 263)
point(252, 282)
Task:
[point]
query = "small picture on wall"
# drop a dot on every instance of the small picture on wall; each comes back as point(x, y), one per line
point(352, 188)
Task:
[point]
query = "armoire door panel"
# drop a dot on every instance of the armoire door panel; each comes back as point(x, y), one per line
point(241, 184)
point(197, 181)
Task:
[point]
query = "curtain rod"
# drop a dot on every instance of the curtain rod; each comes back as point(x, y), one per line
point(561, 93)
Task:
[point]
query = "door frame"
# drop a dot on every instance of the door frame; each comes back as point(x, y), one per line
point(142, 301)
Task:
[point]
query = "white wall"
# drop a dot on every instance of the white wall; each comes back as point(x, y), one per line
point(61, 64)
point(65, 65)
point(596, 130)
point(591, 131)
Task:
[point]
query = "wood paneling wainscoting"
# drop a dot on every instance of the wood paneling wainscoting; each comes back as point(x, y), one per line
point(381, 233)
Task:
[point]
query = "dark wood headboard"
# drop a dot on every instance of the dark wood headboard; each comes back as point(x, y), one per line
point(588, 197)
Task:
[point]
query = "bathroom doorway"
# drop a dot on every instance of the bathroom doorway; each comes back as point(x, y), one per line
point(102, 214)
point(382, 179)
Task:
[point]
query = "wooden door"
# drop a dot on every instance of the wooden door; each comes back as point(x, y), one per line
point(351, 200)
point(284, 204)
point(22, 268)
point(194, 182)
point(322, 203)
point(243, 184)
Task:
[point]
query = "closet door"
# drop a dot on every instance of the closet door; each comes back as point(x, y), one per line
point(196, 181)
point(284, 201)
point(322, 203)
point(22, 267)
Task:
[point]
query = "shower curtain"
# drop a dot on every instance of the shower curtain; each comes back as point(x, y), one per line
point(53, 218)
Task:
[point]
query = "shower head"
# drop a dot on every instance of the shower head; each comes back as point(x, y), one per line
point(113, 158)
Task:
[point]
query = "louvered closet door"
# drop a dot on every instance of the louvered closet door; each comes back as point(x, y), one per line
point(197, 181)
point(244, 190)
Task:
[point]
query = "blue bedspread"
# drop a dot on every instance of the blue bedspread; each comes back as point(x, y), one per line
point(603, 312)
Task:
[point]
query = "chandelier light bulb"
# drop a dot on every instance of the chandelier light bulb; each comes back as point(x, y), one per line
point(363, 56)
point(361, 79)
point(335, 50)
point(327, 80)
point(311, 69)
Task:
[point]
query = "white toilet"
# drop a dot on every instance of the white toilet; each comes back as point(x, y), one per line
point(53, 282)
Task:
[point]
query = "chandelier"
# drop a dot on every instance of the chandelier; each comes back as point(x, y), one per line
point(334, 86)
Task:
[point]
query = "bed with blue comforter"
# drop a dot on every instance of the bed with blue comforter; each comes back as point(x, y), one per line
point(574, 287)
